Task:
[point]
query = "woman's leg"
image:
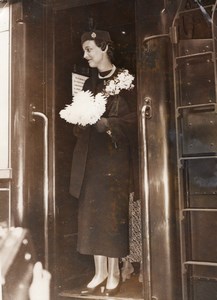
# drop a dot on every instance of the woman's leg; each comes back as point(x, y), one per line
point(126, 270)
point(113, 273)
point(101, 271)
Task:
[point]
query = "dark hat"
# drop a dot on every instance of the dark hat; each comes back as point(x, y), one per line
point(96, 34)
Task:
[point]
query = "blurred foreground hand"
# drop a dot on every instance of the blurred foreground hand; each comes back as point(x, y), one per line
point(40, 286)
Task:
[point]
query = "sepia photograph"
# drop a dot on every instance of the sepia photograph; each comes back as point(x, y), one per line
point(108, 149)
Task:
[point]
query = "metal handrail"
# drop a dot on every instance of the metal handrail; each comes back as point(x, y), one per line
point(45, 180)
point(146, 219)
point(157, 36)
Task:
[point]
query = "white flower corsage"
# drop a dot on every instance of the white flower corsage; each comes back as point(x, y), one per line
point(123, 81)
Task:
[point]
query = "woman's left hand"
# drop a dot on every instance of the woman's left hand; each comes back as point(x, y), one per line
point(102, 125)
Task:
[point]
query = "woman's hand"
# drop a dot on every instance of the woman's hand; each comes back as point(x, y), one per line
point(102, 125)
point(78, 129)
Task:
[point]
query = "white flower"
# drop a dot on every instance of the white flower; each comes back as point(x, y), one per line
point(85, 108)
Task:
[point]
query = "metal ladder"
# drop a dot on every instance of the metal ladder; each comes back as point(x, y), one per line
point(194, 33)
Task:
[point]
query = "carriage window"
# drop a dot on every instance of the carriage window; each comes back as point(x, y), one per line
point(5, 173)
point(4, 86)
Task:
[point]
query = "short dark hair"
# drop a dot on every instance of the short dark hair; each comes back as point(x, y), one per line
point(103, 44)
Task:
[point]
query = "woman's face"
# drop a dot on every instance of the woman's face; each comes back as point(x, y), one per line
point(93, 54)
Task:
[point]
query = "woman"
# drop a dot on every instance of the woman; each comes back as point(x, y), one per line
point(102, 167)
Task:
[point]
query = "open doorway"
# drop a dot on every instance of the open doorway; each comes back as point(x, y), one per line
point(117, 17)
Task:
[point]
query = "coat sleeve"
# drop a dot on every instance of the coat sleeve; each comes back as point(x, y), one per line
point(124, 128)
point(122, 117)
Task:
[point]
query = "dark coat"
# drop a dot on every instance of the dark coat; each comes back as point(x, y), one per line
point(102, 173)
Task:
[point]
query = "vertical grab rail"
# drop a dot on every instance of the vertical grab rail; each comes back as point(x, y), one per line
point(146, 113)
point(45, 180)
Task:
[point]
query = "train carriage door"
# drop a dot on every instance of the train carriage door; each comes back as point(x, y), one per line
point(26, 73)
point(158, 150)
point(141, 32)
point(28, 86)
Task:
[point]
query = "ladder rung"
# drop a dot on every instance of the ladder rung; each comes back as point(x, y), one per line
point(197, 157)
point(200, 209)
point(200, 107)
point(200, 263)
point(195, 9)
point(194, 55)
point(196, 194)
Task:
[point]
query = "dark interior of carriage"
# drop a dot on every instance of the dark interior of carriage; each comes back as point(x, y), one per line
point(118, 17)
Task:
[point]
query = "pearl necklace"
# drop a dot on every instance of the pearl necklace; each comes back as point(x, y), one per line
point(109, 74)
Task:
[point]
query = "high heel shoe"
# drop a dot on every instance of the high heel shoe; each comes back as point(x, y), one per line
point(91, 291)
point(114, 291)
